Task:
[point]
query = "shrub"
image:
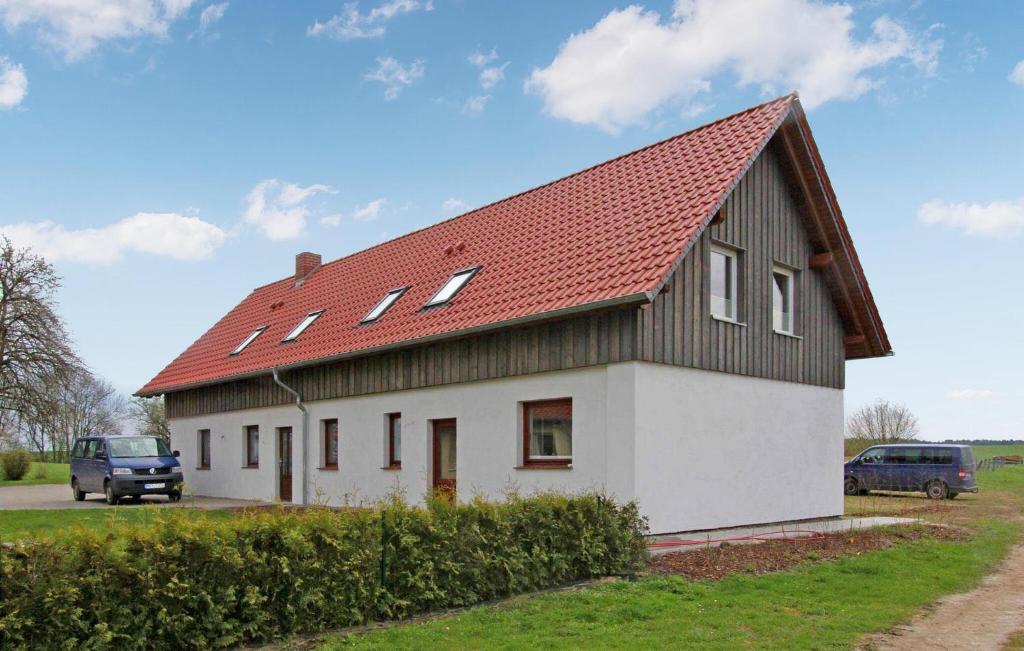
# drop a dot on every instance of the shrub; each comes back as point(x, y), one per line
point(39, 471)
point(16, 463)
point(184, 582)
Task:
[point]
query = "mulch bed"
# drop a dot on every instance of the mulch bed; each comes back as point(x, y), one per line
point(711, 564)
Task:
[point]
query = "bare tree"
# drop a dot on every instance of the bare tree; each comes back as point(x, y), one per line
point(882, 422)
point(150, 418)
point(34, 343)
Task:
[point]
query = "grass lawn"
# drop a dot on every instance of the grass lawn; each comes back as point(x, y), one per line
point(815, 606)
point(19, 524)
point(56, 473)
point(988, 451)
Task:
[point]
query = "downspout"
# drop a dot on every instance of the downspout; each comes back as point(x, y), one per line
point(305, 433)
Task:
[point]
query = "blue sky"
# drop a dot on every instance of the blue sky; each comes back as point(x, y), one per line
point(170, 155)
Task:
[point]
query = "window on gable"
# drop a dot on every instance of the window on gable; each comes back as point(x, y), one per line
point(782, 300)
point(305, 323)
point(724, 283)
point(384, 304)
point(248, 340)
point(547, 432)
point(452, 287)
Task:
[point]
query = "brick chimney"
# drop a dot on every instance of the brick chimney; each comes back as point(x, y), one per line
point(305, 264)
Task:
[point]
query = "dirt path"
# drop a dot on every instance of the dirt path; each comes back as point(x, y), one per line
point(982, 619)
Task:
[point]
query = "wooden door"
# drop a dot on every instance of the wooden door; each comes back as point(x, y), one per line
point(444, 457)
point(284, 463)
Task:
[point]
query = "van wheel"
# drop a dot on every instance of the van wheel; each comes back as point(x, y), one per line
point(79, 494)
point(112, 498)
point(936, 490)
point(851, 487)
point(951, 495)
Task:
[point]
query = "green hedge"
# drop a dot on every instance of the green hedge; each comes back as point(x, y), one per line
point(186, 582)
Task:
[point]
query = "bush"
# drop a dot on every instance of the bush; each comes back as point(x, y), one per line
point(16, 463)
point(39, 471)
point(184, 582)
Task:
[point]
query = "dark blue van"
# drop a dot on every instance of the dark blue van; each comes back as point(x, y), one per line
point(124, 466)
point(940, 471)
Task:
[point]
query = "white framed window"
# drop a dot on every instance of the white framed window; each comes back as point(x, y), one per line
point(305, 323)
point(248, 340)
point(783, 300)
point(384, 304)
point(452, 287)
point(725, 283)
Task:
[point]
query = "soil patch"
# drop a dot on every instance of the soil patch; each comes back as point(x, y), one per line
point(715, 563)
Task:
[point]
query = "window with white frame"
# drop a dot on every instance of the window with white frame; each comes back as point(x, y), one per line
point(725, 283)
point(452, 287)
point(384, 304)
point(783, 314)
point(248, 340)
point(305, 323)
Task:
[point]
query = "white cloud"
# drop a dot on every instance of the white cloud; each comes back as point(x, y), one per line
point(633, 62)
point(350, 24)
point(165, 234)
point(278, 208)
point(211, 15)
point(453, 205)
point(491, 77)
point(76, 27)
point(481, 59)
point(1017, 74)
point(973, 394)
point(330, 220)
point(13, 83)
point(395, 76)
point(998, 219)
point(476, 104)
point(370, 211)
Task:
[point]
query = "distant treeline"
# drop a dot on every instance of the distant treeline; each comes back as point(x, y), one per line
point(984, 442)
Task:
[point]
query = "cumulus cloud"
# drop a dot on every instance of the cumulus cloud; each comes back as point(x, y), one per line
point(278, 209)
point(998, 219)
point(370, 211)
point(13, 83)
point(351, 24)
point(76, 28)
point(210, 16)
point(1017, 74)
point(453, 205)
point(633, 61)
point(973, 394)
point(164, 234)
point(476, 104)
point(394, 76)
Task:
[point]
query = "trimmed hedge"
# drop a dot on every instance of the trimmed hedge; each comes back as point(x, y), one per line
point(184, 582)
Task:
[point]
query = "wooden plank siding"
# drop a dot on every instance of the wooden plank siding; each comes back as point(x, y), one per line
point(765, 225)
point(763, 221)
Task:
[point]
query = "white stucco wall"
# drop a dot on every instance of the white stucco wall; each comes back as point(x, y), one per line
point(717, 449)
point(489, 439)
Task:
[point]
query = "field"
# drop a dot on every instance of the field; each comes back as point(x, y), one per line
point(988, 451)
point(816, 605)
point(20, 524)
point(56, 473)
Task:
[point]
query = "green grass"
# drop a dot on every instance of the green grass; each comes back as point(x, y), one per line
point(987, 451)
point(56, 473)
point(42, 523)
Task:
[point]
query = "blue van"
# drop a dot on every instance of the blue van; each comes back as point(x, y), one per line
point(940, 471)
point(124, 466)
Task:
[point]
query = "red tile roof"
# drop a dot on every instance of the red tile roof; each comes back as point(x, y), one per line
point(608, 234)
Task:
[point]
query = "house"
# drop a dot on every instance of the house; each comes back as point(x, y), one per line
point(670, 326)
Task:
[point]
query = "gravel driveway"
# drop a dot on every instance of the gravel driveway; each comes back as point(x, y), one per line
point(58, 496)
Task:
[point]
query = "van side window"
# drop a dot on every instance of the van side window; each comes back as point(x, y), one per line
point(937, 456)
point(101, 450)
point(874, 457)
point(76, 452)
point(90, 449)
point(905, 455)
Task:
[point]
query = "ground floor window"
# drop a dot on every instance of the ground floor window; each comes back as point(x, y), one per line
point(547, 432)
point(204, 449)
point(331, 443)
point(394, 440)
point(252, 446)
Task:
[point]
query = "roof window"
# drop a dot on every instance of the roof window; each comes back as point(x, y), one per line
point(248, 340)
point(299, 329)
point(452, 287)
point(384, 305)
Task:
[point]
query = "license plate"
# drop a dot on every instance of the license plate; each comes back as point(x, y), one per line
point(148, 486)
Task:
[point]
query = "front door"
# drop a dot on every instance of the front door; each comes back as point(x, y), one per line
point(284, 463)
point(444, 457)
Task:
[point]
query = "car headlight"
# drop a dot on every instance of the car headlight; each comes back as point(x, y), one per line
point(176, 469)
point(122, 471)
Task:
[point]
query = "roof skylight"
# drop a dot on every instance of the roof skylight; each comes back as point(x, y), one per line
point(299, 329)
point(452, 287)
point(384, 305)
point(248, 340)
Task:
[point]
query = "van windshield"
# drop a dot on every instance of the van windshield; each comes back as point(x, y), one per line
point(138, 446)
